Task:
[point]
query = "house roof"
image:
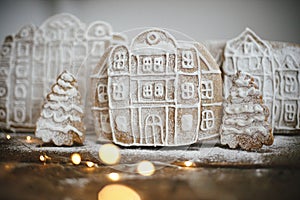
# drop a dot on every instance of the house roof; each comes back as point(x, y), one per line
point(154, 38)
point(236, 45)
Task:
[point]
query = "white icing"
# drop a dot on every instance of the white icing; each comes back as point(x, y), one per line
point(64, 84)
point(65, 107)
point(54, 97)
point(69, 92)
point(244, 108)
point(245, 122)
point(67, 77)
point(244, 92)
point(62, 118)
point(247, 131)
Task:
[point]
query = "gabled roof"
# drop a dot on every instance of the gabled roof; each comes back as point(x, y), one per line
point(26, 32)
point(236, 45)
point(289, 62)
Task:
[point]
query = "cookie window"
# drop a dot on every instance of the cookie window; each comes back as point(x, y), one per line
point(207, 90)
point(187, 59)
point(118, 92)
point(119, 60)
point(187, 90)
point(102, 93)
point(207, 120)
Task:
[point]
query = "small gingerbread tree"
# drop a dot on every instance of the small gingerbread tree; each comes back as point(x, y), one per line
point(245, 116)
point(61, 119)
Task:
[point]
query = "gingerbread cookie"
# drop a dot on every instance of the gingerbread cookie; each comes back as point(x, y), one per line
point(245, 116)
point(61, 119)
point(275, 69)
point(287, 87)
point(160, 92)
point(32, 59)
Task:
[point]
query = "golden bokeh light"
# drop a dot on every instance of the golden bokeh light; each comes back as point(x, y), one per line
point(145, 168)
point(42, 158)
point(8, 136)
point(109, 154)
point(114, 176)
point(90, 164)
point(28, 138)
point(76, 158)
point(118, 192)
point(188, 163)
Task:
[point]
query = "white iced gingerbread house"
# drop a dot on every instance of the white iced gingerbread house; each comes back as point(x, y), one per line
point(287, 94)
point(33, 58)
point(157, 92)
point(248, 53)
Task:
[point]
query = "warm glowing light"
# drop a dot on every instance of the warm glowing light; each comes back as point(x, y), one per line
point(42, 158)
point(114, 176)
point(109, 154)
point(188, 163)
point(117, 192)
point(90, 164)
point(8, 166)
point(8, 136)
point(76, 158)
point(28, 138)
point(145, 168)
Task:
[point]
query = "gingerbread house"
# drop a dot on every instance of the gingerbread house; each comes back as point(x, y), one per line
point(276, 71)
point(32, 59)
point(248, 53)
point(157, 92)
point(287, 94)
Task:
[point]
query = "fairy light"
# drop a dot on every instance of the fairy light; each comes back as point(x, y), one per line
point(145, 168)
point(28, 138)
point(188, 163)
point(114, 176)
point(109, 154)
point(8, 136)
point(76, 158)
point(90, 164)
point(42, 158)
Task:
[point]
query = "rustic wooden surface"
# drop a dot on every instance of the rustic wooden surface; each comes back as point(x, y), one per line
point(220, 173)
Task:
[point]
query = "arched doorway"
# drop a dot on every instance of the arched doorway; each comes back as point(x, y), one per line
point(153, 129)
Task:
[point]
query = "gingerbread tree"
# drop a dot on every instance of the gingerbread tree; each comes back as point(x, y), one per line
point(245, 116)
point(61, 119)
